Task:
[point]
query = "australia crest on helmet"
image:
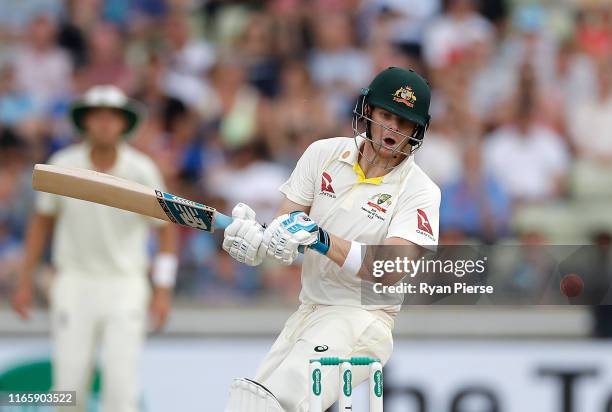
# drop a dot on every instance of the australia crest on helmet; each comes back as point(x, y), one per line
point(405, 95)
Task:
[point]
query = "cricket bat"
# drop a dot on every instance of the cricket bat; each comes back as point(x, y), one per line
point(123, 194)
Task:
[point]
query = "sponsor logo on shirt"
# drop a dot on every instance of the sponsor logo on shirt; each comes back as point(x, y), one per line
point(326, 186)
point(379, 200)
point(377, 205)
point(424, 227)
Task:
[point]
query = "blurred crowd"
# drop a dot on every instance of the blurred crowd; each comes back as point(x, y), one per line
point(521, 133)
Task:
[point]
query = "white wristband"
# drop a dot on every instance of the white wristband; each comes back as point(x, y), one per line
point(165, 266)
point(353, 260)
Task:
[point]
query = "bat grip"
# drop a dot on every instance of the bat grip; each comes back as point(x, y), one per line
point(222, 221)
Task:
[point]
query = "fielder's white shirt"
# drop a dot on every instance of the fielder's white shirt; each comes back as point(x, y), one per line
point(97, 240)
point(404, 203)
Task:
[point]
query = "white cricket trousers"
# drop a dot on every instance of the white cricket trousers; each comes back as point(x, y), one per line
point(315, 331)
point(110, 313)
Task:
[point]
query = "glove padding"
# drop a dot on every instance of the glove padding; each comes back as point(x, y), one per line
point(287, 233)
point(242, 239)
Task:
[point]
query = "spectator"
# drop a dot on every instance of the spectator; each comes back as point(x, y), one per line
point(105, 61)
point(593, 28)
point(16, 107)
point(385, 54)
point(188, 60)
point(10, 255)
point(18, 14)
point(593, 264)
point(150, 88)
point(257, 178)
point(289, 117)
point(524, 271)
point(529, 43)
point(399, 22)
point(333, 53)
point(441, 157)
point(226, 280)
point(257, 45)
point(43, 70)
point(474, 203)
point(602, 313)
point(489, 84)
point(233, 107)
point(15, 182)
point(458, 47)
point(575, 81)
point(171, 134)
point(78, 17)
point(590, 122)
point(529, 159)
point(453, 34)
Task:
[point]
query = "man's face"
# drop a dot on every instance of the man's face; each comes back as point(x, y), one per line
point(386, 128)
point(105, 126)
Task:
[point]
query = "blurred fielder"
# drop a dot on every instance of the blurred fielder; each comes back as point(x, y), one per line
point(361, 190)
point(101, 291)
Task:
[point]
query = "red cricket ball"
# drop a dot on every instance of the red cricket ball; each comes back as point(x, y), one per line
point(572, 285)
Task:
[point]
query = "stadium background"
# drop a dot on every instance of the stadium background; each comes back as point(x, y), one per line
point(520, 143)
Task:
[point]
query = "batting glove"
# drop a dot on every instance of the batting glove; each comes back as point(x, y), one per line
point(242, 239)
point(289, 233)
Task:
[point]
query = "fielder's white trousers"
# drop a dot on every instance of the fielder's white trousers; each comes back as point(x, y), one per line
point(110, 313)
point(316, 331)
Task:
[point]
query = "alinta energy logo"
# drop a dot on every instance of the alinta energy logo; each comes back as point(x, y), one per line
point(326, 186)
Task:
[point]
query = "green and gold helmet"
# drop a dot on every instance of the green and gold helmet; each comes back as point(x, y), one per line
point(402, 92)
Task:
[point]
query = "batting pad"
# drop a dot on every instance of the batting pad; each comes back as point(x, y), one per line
point(248, 395)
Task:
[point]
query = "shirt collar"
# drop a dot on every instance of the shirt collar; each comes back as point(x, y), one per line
point(351, 155)
point(361, 176)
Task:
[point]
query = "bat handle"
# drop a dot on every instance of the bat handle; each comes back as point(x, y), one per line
point(222, 221)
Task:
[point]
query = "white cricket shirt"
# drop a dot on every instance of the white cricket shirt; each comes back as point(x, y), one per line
point(404, 203)
point(97, 240)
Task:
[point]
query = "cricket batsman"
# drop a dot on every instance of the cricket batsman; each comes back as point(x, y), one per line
point(342, 194)
point(100, 294)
